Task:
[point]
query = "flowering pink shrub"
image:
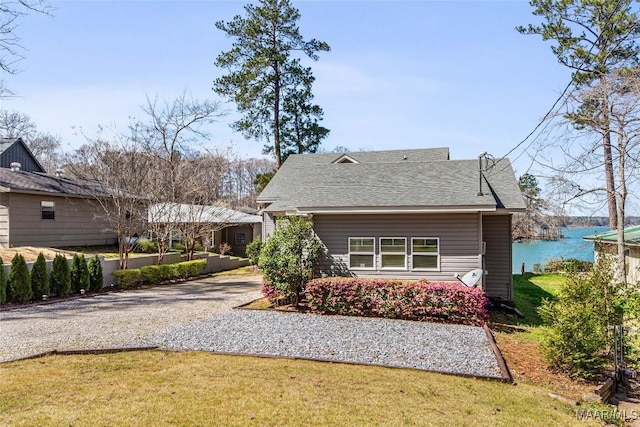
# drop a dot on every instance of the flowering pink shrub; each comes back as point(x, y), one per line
point(273, 294)
point(396, 299)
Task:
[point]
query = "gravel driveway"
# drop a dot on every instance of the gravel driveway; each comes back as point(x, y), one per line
point(119, 319)
point(198, 315)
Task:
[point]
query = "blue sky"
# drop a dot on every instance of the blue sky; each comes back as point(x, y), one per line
point(401, 74)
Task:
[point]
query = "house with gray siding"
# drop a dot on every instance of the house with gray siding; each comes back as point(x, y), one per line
point(38, 209)
point(405, 214)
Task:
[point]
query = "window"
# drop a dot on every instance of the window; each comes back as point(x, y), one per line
point(425, 253)
point(362, 253)
point(240, 239)
point(48, 210)
point(393, 252)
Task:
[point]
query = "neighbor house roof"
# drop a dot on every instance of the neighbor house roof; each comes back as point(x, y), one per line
point(403, 180)
point(15, 150)
point(631, 236)
point(186, 213)
point(38, 183)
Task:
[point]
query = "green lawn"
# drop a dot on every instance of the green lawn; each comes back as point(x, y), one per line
point(530, 290)
point(191, 388)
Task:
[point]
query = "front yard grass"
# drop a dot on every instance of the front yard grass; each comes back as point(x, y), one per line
point(192, 388)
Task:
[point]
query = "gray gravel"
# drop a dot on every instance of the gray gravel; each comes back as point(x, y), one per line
point(121, 319)
point(420, 345)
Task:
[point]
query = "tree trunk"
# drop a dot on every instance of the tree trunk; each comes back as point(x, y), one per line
point(608, 158)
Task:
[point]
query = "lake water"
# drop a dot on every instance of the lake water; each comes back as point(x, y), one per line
point(540, 251)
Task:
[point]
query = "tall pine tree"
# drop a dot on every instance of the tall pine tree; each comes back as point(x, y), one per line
point(263, 73)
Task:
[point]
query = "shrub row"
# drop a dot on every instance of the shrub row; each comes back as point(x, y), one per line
point(572, 265)
point(23, 286)
point(396, 299)
point(156, 274)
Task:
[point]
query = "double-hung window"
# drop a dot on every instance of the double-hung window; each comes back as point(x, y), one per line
point(425, 253)
point(393, 252)
point(362, 253)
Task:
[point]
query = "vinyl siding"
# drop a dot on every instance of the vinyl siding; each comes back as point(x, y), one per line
point(77, 222)
point(4, 220)
point(17, 153)
point(268, 225)
point(459, 236)
point(497, 236)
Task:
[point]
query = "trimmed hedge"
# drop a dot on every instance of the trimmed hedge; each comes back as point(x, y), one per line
point(156, 274)
point(396, 299)
point(188, 269)
point(127, 278)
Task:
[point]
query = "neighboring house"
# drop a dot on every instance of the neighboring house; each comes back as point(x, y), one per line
point(37, 209)
point(403, 214)
point(14, 150)
point(235, 228)
point(607, 244)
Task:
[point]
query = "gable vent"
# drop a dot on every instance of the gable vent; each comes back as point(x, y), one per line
point(15, 166)
point(345, 159)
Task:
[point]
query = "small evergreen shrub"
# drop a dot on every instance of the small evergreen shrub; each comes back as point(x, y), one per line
point(3, 283)
point(156, 274)
point(396, 299)
point(126, 279)
point(146, 247)
point(19, 283)
point(578, 339)
point(40, 277)
point(179, 247)
point(188, 269)
point(570, 265)
point(253, 251)
point(96, 281)
point(60, 283)
point(79, 274)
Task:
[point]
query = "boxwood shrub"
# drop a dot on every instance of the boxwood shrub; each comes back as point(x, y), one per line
point(156, 274)
point(127, 278)
point(188, 269)
point(396, 299)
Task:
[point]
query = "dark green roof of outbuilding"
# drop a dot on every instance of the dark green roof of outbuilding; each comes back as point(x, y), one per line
point(631, 236)
point(401, 179)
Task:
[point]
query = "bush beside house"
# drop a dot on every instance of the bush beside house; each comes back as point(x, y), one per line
point(79, 274)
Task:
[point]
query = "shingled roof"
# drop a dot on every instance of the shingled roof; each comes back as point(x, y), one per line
point(405, 180)
point(36, 182)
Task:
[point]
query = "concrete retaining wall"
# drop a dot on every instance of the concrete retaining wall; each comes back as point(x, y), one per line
point(215, 263)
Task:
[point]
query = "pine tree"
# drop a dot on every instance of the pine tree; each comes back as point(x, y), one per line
point(262, 71)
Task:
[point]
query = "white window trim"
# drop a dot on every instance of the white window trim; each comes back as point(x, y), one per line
point(393, 253)
point(437, 254)
point(373, 254)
